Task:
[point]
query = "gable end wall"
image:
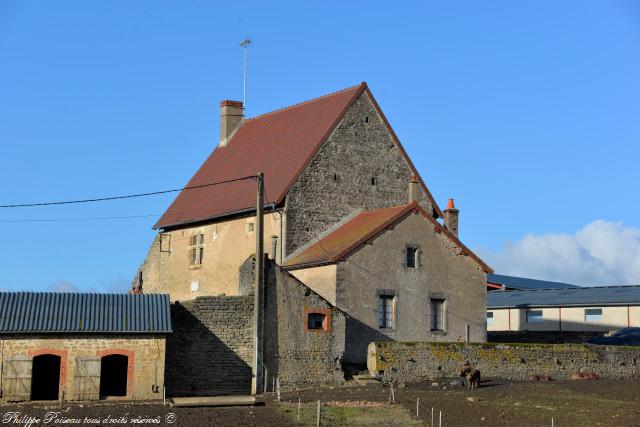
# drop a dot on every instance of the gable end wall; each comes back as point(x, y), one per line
point(356, 151)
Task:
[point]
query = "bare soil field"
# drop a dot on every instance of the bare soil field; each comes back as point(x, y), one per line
point(496, 403)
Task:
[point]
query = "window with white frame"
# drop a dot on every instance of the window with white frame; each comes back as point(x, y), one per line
point(437, 314)
point(489, 317)
point(385, 311)
point(196, 249)
point(592, 314)
point(534, 316)
point(411, 257)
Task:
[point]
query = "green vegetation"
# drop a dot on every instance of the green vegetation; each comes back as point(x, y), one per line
point(352, 415)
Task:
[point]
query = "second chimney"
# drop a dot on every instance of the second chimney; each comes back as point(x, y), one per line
point(451, 217)
point(413, 188)
point(231, 115)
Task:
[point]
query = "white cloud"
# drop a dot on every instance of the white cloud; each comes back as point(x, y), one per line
point(601, 253)
point(63, 286)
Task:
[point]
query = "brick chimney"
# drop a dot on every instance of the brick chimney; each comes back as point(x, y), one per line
point(413, 188)
point(451, 217)
point(231, 115)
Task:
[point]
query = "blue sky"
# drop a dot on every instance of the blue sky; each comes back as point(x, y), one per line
point(526, 113)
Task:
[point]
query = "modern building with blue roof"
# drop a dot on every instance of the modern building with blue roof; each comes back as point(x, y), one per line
point(580, 309)
point(511, 283)
point(82, 346)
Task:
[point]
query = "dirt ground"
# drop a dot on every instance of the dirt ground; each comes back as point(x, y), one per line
point(496, 403)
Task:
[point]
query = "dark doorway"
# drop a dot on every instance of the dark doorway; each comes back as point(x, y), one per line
point(45, 377)
point(113, 375)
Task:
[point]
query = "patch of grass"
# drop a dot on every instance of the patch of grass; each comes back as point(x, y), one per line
point(382, 415)
point(567, 406)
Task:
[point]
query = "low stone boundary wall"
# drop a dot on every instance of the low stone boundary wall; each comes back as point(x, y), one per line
point(546, 337)
point(412, 362)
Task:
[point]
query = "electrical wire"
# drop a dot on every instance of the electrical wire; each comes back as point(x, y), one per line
point(128, 196)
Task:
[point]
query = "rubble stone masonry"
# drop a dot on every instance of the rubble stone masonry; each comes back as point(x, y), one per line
point(338, 180)
point(412, 362)
point(146, 357)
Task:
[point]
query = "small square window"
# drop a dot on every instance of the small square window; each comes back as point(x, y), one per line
point(374, 180)
point(437, 314)
point(385, 311)
point(412, 257)
point(316, 320)
point(195, 286)
point(592, 314)
point(534, 316)
point(489, 317)
point(250, 227)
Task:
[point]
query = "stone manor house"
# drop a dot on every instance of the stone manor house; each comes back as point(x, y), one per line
point(359, 249)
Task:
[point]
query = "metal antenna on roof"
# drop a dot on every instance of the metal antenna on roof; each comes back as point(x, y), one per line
point(245, 43)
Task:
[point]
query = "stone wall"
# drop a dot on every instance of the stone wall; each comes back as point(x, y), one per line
point(210, 350)
point(411, 362)
point(547, 337)
point(442, 272)
point(297, 356)
point(227, 244)
point(146, 357)
point(338, 179)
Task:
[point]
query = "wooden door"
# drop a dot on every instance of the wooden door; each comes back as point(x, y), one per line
point(87, 379)
point(16, 378)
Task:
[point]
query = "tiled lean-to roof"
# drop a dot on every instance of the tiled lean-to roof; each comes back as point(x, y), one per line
point(57, 312)
point(362, 228)
point(280, 144)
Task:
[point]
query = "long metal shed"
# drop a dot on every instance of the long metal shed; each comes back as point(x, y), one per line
point(57, 312)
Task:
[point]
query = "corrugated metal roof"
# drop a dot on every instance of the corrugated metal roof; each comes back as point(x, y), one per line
point(46, 312)
point(523, 283)
point(602, 295)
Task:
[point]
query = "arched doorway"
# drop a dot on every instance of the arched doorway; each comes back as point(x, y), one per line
point(113, 375)
point(45, 377)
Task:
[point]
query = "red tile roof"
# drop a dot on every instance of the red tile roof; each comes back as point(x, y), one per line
point(363, 228)
point(280, 144)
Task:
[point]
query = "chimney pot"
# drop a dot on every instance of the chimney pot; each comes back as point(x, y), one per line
point(231, 116)
point(451, 217)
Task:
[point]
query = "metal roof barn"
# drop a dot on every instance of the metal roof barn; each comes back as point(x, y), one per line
point(49, 312)
point(523, 283)
point(596, 296)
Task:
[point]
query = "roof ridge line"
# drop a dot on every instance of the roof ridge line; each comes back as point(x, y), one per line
point(308, 101)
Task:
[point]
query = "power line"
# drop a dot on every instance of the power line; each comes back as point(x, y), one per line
point(129, 196)
point(77, 219)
